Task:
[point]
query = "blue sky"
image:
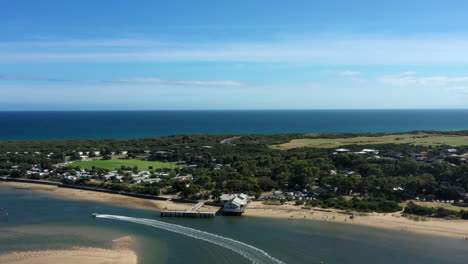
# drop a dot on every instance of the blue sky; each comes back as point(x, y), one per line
point(118, 55)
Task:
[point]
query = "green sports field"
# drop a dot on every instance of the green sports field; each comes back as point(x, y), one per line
point(116, 164)
point(416, 139)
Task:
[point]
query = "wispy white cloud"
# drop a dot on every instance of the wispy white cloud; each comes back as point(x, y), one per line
point(410, 78)
point(458, 84)
point(460, 89)
point(128, 80)
point(321, 50)
point(349, 73)
point(179, 82)
point(84, 43)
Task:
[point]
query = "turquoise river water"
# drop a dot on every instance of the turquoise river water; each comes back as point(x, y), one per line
point(38, 221)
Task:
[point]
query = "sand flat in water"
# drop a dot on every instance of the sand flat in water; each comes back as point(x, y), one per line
point(119, 254)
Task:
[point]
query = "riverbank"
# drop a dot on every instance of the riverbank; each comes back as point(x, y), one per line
point(120, 253)
point(114, 199)
point(393, 221)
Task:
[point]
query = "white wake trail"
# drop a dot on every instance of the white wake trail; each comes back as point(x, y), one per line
point(252, 253)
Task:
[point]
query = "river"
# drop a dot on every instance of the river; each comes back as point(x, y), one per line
point(38, 221)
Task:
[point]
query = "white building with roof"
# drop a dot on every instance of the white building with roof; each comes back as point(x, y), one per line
point(234, 204)
point(342, 150)
point(370, 151)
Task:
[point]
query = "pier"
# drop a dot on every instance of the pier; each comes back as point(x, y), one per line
point(196, 207)
point(192, 212)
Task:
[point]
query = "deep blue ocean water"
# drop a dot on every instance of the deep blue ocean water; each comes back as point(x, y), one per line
point(137, 124)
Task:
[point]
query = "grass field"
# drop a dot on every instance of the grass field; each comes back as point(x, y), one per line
point(417, 139)
point(116, 164)
point(436, 205)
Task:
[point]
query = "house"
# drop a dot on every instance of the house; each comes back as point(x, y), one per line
point(370, 151)
point(234, 204)
point(119, 178)
point(108, 176)
point(124, 152)
point(463, 157)
point(360, 152)
point(151, 180)
point(72, 178)
point(139, 179)
point(419, 156)
point(147, 151)
point(184, 177)
point(342, 150)
point(347, 172)
point(277, 192)
point(319, 191)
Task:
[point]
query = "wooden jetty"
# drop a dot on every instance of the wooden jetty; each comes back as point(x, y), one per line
point(192, 212)
point(187, 214)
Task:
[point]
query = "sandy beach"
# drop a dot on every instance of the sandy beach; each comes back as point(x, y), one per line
point(394, 221)
point(120, 253)
point(114, 199)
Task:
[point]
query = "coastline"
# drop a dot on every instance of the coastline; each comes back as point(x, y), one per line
point(114, 199)
point(457, 229)
point(120, 253)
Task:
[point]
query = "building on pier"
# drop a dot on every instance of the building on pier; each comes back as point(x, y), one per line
point(234, 204)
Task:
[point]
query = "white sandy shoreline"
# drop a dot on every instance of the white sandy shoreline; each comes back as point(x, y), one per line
point(393, 221)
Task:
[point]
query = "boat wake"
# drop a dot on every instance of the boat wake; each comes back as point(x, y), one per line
point(252, 253)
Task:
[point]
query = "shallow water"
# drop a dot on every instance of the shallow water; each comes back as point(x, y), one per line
point(42, 221)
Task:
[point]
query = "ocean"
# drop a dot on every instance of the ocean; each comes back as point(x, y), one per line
point(39, 221)
point(23, 125)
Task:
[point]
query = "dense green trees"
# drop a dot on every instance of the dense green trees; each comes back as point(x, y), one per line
point(249, 165)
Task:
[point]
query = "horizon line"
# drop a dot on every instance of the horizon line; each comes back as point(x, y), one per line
point(265, 109)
